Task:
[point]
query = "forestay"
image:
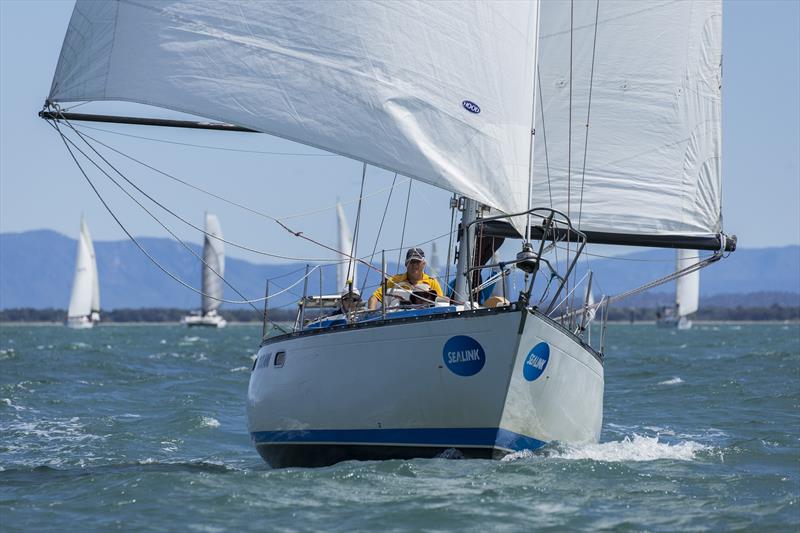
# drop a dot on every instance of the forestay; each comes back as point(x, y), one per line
point(214, 257)
point(654, 140)
point(438, 91)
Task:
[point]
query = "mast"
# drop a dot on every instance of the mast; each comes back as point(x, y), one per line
point(466, 242)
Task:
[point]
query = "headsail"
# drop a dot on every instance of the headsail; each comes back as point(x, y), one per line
point(346, 270)
point(438, 91)
point(214, 257)
point(687, 288)
point(653, 163)
point(80, 301)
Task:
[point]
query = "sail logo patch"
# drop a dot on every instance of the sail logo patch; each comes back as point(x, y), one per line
point(472, 107)
point(463, 355)
point(536, 361)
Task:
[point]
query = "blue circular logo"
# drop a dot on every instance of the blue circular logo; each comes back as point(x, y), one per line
point(536, 361)
point(472, 107)
point(463, 355)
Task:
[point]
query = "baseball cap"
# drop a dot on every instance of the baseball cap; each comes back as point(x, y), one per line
point(355, 295)
point(415, 254)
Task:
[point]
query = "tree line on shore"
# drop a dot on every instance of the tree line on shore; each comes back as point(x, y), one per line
point(618, 314)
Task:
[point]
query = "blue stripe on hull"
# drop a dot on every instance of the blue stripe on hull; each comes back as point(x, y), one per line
point(424, 437)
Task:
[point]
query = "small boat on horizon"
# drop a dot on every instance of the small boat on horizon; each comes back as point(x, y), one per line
point(84, 302)
point(213, 273)
point(687, 294)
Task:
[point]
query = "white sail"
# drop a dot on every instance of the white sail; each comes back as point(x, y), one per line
point(438, 91)
point(80, 301)
point(95, 306)
point(653, 152)
point(687, 288)
point(214, 257)
point(346, 270)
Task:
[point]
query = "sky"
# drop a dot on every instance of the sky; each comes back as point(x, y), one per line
point(40, 187)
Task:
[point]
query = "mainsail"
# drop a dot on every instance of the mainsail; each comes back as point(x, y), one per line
point(85, 280)
point(346, 269)
point(95, 307)
point(687, 288)
point(438, 91)
point(628, 136)
point(214, 257)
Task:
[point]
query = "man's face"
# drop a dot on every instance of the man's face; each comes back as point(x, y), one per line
point(415, 268)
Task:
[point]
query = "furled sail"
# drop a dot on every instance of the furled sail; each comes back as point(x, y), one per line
point(648, 76)
point(345, 270)
point(80, 301)
point(214, 257)
point(687, 288)
point(438, 91)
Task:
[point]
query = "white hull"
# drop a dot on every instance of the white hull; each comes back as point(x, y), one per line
point(386, 390)
point(80, 322)
point(674, 323)
point(208, 321)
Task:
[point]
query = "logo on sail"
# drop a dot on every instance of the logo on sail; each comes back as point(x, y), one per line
point(472, 107)
point(463, 355)
point(536, 361)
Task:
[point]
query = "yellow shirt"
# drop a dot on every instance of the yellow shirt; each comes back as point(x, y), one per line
point(401, 281)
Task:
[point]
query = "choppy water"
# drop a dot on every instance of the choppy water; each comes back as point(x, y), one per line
point(143, 427)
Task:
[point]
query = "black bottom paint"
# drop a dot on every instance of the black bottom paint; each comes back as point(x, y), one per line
point(316, 455)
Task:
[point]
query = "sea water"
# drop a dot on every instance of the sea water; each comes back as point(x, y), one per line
point(143, 427)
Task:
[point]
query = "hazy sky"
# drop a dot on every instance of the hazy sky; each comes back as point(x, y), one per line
point(40, 186)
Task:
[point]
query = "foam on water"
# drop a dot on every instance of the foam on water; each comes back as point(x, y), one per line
point(209, 422)
point(637, 448)
point(674, 381)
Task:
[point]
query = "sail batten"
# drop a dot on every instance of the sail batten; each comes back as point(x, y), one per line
point(415, 87)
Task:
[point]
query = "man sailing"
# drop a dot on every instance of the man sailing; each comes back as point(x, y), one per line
point(414, 278)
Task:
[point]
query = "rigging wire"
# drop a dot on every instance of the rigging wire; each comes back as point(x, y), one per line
point(182, 243)
point(588, 112)
point(544, 136)
point(354, 243)
point(64, 139)
point(174, 214)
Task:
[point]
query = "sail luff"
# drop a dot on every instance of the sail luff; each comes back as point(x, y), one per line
point(214, 257)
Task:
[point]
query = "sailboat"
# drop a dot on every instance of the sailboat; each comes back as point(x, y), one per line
point(488, 100)
point(84, 302)
point(687, 294)
point(213, 272)
point(346, 271)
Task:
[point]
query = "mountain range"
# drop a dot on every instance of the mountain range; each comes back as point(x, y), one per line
point(36, 269)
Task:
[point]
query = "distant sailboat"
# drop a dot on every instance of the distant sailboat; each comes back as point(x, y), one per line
point(346, 270)
point(687, 294)
point(84, 303)
point(214, 257)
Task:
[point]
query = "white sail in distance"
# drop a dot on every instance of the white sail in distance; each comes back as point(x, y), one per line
point(346, 270)
point(648, 77)
point(95, 307)
point(214, 257)
point(687, 288)
point(85, 278)
point(441, 92)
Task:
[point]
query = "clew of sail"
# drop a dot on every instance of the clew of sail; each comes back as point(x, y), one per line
point(687, 288)
point(214, 257)
point(648, 76)
point(80, 301)
point(438, 91)
point(346, 269)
